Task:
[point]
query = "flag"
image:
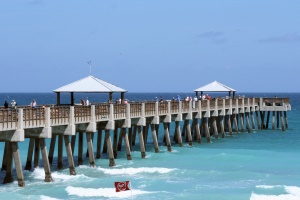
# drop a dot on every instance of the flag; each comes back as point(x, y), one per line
point(122, 186)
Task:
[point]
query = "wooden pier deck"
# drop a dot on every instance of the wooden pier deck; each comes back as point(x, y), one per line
point(203, 118)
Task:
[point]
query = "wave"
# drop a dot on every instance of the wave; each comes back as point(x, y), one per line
point(132, 171)
point(103, 192)
point(39, 173)
point(43, 197)
point(292, 193)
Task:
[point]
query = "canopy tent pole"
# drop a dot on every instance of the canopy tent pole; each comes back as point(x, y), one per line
point(58, 98)
point(110, 97)
point(122, 97)
point(72, 98)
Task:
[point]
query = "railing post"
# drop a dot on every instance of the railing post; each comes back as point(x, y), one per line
point(127, 122)
point(92, 125)
point(142, 120)
point(19, 135)
point(111, 123)
point(47, 130)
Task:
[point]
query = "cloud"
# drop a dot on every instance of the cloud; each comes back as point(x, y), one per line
point(287, 38)
point(214, 36)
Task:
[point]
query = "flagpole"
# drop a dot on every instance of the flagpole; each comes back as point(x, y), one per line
point(131, 189)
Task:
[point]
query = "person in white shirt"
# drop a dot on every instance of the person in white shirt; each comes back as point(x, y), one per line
point(87, 103)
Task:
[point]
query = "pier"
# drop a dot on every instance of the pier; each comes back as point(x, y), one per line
point(201, 120)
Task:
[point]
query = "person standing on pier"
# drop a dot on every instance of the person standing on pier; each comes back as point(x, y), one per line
point(178, 98)
point(87, 103)
point(82, 102)
point(33, 104)
point(5, 104)
point(13, 104)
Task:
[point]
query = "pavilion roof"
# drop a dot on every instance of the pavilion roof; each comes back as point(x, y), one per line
point(90, 84)
point(215, 87)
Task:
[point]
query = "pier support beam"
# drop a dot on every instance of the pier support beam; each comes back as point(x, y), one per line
point(197, 130)
point(110, 149)
point(60, 152)
point(247, 122)
point(257, 120)
point(90, 148)
point(80, 148)
point(73, 141)
point(69, 155)
point(242, 121)
point(134, 135)
point(4, 158)
point(8, 176)
point(286, 120)
point(282, 122)
point(214, 122)
point(142, 147)
point(154, 138)
point(268, 118)
point(30, 154)
point(115, 145)
point(18, 163)
point(221, 124)
point(178, 133)
point(229, 125)
point(127, 146)
point(36, 153)
point(273, 120)
point(252, 121)
point(130, 137)
point(188, 133)
point(52, 147)
point(99, 141)
point(235, 123)
point(207, 133)
point(167, 136)
point(48, 177)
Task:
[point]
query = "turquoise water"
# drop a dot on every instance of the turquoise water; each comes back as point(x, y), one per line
point(258, 165)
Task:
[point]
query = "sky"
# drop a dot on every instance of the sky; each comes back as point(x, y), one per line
point(150, 45)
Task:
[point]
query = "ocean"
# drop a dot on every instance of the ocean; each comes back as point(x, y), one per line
point(263, 164)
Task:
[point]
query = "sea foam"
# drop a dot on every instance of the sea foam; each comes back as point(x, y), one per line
point(102, 192)
point(292, 193)
point(132, 171)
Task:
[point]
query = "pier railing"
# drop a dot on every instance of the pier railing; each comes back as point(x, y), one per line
point(63, 115)
point(60, 115)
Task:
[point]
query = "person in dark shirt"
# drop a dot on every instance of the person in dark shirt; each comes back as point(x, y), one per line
point(6, 104)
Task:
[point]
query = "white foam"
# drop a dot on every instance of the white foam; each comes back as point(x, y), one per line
point(48, 198)
point(39, 173)
point(267, 186)
point(132, 171)
point(102, 192)
point(293, 193)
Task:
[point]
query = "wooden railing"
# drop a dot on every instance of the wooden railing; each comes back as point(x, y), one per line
point(101, 112)
point(8, 118)
point(61, 115)
point(82, 113)
point(119, 111)
point(33, 117)
point(174, 107)
point(135, 110)
point(150, 108)
point(163, 107)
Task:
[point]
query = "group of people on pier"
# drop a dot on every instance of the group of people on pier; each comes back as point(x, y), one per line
point(13, 104)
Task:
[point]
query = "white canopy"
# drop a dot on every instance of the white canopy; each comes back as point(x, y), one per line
point(215, 87)
point(90, 84)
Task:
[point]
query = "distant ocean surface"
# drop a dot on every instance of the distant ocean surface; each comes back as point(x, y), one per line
point(264, 164)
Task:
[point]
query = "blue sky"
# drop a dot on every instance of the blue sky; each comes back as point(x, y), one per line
point(150, 46)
